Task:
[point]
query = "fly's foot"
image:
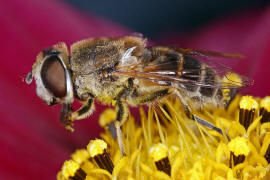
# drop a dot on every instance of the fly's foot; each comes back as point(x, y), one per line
point(66, 117)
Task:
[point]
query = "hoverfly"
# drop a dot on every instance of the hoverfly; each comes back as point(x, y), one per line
point(127, 72)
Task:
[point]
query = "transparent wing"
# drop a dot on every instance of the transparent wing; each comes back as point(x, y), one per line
point(207, 53)
point(169, 71)
point(212, 60)
point(166, 78)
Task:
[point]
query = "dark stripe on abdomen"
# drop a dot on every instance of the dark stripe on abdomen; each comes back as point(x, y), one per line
point(209, 79)
point(191, 71)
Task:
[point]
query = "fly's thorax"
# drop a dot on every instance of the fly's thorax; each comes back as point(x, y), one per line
point(102, 88)
point(90, 55)
point(93, 62)
point(88, 83)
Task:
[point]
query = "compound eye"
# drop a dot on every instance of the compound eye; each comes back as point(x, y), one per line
point(53, 76)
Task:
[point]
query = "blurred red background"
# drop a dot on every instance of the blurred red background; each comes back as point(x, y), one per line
point(33, 143)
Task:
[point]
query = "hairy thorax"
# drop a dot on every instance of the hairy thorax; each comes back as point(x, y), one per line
point(103, 89)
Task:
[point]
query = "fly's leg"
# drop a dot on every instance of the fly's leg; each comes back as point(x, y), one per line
point(66, 112)
point(151, 97)
point(68, 115)
point(121, 117)
point(193, 117)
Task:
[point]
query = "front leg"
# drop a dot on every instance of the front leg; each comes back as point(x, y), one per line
point(68, 115)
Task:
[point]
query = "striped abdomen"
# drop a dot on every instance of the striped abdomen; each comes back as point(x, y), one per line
point(204, 81)
point(195, 79)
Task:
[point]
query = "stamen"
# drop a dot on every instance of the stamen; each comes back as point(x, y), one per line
point(80, 156)
point(106, 120)
point(265, 109)
point(72, 170)
point(248, 107)
point(265, 148)
point(267, 154)
point(79, 175)
point(97, 149)
point(159, 153)
point(239, 150)
point(107, 117)
point(162, 111)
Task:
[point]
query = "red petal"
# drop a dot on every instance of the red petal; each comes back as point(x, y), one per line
point(33, 143)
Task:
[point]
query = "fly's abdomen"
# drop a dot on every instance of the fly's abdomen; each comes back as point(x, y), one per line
point(200, 80)
point(191, 72)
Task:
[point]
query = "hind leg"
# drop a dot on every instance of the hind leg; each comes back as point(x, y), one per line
point(193, 117)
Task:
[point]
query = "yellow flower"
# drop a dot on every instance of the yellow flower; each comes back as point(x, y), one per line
point(165, 144)
point(239, 146)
